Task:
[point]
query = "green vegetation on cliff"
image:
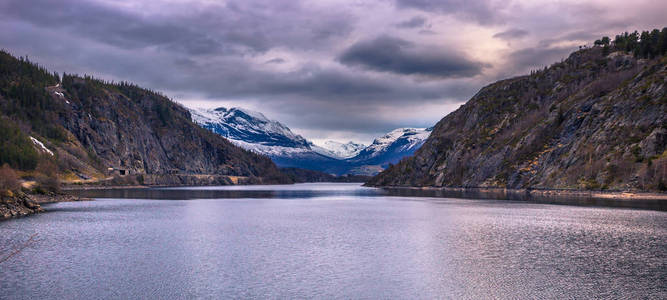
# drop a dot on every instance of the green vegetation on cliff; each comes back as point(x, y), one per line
point(17, 149)
point(597, 120)
point(81, 129)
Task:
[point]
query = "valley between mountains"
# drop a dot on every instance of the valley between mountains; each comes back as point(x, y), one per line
point(253, 131)
point(594, 121)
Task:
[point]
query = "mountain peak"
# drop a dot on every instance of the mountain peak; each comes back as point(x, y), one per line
point(251, 113)
point(390, 148)
point(254, 131)
point(240, 124)
point(413, 137)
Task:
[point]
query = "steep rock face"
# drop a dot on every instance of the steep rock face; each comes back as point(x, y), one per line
point(94, 126)
point(148, 133)
point(591, 121)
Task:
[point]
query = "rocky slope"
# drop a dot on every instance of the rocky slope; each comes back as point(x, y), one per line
point(89, 130)
point(593, 121)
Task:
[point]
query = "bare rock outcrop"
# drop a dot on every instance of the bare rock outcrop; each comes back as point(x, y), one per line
point(589, 122)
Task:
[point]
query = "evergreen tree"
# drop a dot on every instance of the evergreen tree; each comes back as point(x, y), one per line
point(648, 44)
point(662, 42)
point(605, 41)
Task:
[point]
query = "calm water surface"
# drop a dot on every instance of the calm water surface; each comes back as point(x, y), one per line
point(330, 241)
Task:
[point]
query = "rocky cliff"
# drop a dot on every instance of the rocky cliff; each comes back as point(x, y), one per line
point(594, 121)
point(91, 130)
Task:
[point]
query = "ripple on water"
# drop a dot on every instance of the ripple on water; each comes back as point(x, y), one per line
point(337, 241)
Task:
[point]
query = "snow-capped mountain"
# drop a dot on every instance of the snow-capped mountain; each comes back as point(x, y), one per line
point(398, 141)
point(255, 132)
point(390, 148)
point(251, 127)
point(339, 150)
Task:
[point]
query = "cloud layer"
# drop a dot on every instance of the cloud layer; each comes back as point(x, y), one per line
point(389, 54)
point(328, 69)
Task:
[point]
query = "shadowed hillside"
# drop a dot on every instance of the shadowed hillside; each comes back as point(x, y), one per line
point(83, 130)
point(597, 120)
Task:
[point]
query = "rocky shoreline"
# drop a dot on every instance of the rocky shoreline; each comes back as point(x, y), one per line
point(21, 204)
point(626, 199)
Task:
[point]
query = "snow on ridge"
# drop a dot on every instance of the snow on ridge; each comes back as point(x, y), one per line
point(338, 150)
point(41, 145)
point(61, 95)
point(244, 120)
point(202, 116)
point(268, 150)
point(255, 132)
point(252, 113)
point(414, 137)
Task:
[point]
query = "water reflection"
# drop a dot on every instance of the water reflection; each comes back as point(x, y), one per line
point(582, 198)
point(332, 241)
point(315, 190)
point(307, 190)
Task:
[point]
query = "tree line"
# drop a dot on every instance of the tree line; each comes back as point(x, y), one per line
point(647, 44)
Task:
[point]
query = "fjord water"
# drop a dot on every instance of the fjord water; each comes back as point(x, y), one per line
point(329, 241)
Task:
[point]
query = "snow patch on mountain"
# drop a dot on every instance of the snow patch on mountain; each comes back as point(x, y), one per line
point(41, 145)
point(271, 151)
point(338, 150)
point(399, 140)
point(255, 132)
point(248, 126)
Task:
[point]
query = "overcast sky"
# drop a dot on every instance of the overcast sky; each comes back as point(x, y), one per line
point(342, 70)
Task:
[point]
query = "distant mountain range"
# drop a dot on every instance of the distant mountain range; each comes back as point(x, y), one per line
point(388, 149)
point(339, 150)
point(254, 131)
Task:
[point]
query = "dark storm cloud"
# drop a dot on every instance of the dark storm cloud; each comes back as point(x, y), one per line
point(482, 11)
point(311, 84)
point(389, 54)
point(107, 25)
point(414, 22)
point(511, 34)
point(243, 27)
point(320, 65)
